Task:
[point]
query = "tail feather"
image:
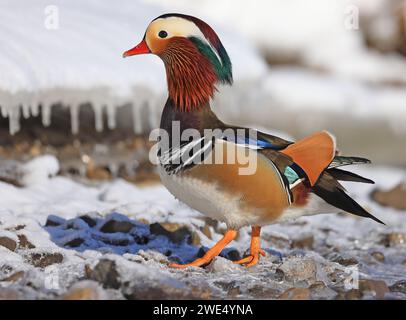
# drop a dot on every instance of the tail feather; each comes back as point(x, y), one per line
point(344, 175)
point(313, 154)
point(331, 191)
point(340, 161)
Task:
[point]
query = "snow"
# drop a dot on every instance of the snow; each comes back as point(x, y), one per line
point(63, 201)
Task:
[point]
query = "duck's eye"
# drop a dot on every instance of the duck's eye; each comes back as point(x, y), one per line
point(163, 34)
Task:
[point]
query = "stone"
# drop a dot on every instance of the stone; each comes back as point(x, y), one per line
point(173, 231)
point(113, 226)
point(206, 231)
point(54, 221)
point(85, 290)
point(9, 294)
point(8, 243)
point(295, 294)
point(303, 242)
point(42, 260)
point(74, 243)
point(393, 239)
point(399, 286)
point(299, 269)
point(232, 254)
point(276, 241)
point(105, 272)
point(319, 290)
point(220, 264)
point(378, 256)
point(89, 220)
point(346, 260)
point(23, 242)
point(14, 277)
point(262, 292)
point(394, 198)
point(378, 287)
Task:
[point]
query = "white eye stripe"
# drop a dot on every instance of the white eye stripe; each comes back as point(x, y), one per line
point(177, 26)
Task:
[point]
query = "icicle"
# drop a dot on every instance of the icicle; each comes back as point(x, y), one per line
point(74, 118)
point(98, 116)
point(111, 116)
point(137, 120)
point(34, 109)
point(26, 110)
point(46, 115)
point(14, 119)
point(4, 111)
point(152, 113)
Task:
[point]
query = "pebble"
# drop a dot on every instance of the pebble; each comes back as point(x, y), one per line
point(173, 231)
point(303, 242)
point(399, 286)
point(85, 290)
point(379, 256)
point(394, 198)
point(23, 242)
point(295, 294)
point(105, 272)
point(298, 269)
point(113, 226)
point(42, 260)
point(378, 287)
point(8, 243)
point(220, 264)
point(394, 239)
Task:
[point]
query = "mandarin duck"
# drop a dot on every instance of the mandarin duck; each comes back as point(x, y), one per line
point(291, 179)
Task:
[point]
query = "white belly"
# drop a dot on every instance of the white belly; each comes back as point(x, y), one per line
point(208, 199)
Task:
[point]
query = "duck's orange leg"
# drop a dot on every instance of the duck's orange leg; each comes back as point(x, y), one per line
point(255, 249)
point(215, 251)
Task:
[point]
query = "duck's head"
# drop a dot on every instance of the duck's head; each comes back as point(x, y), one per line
point(194, 58)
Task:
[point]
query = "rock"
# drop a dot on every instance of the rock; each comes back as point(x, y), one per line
point(9, 294)
point(344, 260)
point(113, 226)
point(164, 291)
point(105, 272)
point(319, 290)
point(85, 290)
point(232, 254)
point(394, 239)
point(399, 286)
point(394, 198)
point(230, 287)
point(98, 173)
point(262, 292)
point(89, 220)
point(14, 277)
point(303, 243)
point(77, 242)
point(379, 256)
point(295, 294)
point(173, 231)
point(276, 241)
point(54, 221)
point(42, 260)
point(23, 242)
point(378, 287)
point(352, 294)
point(8, 243)
point(298, 269)
point(206, 231)
point(220, 264)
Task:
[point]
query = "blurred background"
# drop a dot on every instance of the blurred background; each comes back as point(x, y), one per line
point(299, 66)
